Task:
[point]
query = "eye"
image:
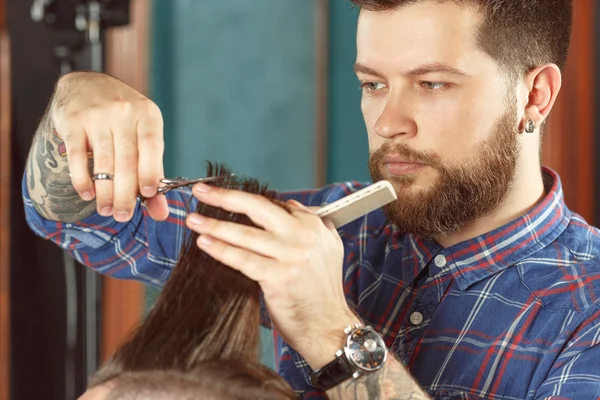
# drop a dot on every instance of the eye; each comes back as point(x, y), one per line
point(433, 85)
point(372, 86)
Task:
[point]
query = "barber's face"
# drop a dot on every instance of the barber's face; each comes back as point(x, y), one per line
point(439, 115)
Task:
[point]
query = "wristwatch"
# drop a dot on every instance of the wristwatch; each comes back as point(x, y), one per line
point(364, 352)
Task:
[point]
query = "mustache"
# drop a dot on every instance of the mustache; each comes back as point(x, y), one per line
point(404, 151)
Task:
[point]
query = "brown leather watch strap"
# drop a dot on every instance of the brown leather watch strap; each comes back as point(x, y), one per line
point(332, 374)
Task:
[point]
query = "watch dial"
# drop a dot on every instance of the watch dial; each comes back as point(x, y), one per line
point(366, 349)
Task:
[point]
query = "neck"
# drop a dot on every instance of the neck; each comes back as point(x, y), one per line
point(527, 190)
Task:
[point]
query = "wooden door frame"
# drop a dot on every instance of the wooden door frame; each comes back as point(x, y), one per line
point(569, 141)
point(5, 179)
point(321, 41)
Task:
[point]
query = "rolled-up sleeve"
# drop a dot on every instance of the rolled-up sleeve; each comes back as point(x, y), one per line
point(142, 249)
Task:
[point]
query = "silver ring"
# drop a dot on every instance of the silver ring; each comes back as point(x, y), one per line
point(102, 177)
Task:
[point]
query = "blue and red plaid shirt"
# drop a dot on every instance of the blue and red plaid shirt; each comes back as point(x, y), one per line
point(512, 314)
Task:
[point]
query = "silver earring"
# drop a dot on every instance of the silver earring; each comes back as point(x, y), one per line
point(530, 126)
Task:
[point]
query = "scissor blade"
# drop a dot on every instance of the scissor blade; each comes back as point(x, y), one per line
point(182, 182)
point(208, 179)
point(173, 181)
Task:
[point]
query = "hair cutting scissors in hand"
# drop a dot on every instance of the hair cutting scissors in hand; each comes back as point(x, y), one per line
point(169, 183)
point(179, 182)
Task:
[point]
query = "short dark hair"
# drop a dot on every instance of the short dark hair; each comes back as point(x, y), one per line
point(519, 34)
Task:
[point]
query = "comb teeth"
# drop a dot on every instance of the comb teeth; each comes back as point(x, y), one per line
point(359, 203)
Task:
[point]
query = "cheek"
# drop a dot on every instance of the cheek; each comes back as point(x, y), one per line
point(375, 141)
point(372, 108)
point(454, 127)
point(371, 111)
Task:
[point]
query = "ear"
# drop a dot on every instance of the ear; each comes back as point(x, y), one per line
point(543, 84)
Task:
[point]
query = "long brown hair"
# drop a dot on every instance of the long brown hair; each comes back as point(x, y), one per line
point(201, 337)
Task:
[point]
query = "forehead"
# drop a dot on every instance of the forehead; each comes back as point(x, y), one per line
point(419, 33)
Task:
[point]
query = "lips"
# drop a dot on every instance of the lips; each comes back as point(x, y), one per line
point(396, 159)
point(399, 166)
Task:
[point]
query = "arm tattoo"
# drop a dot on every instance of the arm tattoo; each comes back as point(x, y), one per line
point(392, 382)
point(48, 180)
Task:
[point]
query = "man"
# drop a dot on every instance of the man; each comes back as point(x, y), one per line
point(479, 280)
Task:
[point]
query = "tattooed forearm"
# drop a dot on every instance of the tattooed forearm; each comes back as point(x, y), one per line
point(48, 180)
point(392, 382)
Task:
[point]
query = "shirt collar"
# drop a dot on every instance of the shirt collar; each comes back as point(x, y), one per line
point(479, 258)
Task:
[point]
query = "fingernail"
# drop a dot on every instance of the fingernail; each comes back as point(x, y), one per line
point(201, 188)
point(206, 240)
point(196, 219)
point(148, 191)
point(106, 211)
point(122, 215)
point(295, 203)
point(87, 196)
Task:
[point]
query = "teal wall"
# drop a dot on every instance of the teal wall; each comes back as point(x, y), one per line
point(235, 80)
point(347, 146)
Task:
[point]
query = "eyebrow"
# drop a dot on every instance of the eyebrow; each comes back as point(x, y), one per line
point(420, 70)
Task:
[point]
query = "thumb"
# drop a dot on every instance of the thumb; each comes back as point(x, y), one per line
point(157, 207)
point(297, 204)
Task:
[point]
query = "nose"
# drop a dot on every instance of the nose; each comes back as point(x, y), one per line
point(395, 120)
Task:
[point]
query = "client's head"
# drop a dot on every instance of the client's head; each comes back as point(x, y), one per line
point(200, 340)
point(218, 381)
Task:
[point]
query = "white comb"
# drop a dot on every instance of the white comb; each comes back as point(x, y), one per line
point(359, 203)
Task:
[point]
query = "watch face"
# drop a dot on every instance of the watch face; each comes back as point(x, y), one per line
point(366, 349)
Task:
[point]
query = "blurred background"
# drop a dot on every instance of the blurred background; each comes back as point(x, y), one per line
point(265, 86)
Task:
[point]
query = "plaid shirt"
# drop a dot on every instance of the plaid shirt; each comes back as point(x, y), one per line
point(512, 314)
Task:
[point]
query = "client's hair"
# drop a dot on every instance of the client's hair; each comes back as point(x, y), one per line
point(201, 339)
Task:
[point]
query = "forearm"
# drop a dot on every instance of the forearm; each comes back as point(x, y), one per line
point(48, 180)
point(393, 381)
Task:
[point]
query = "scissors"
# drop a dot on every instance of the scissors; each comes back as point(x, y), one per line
point(180, 182)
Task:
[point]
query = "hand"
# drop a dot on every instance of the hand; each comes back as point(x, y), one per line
point(123, 130)
point(297, 260)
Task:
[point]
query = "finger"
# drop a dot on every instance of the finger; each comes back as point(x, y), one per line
point(301, 206)
point(151, 149)
point(298, 205)
point(157, 207)
point(125, 179)
point(260, 210)
point(77, 156)
point(254, 266)
point(104, 162)
point(303, 212)
point(329, 224)
point(242, 236)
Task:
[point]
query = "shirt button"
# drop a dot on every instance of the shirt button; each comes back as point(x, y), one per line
point(416, 318)
point(440, 261)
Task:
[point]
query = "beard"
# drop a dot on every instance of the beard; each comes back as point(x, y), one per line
point(460, 194)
